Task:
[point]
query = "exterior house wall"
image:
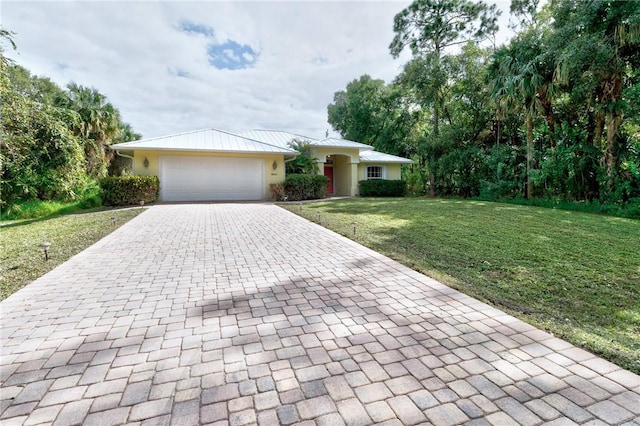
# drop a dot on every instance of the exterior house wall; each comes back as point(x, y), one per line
point(345, 168)
point(321, 153)
point(342, 175)
point(271, 175)
point(393, 171)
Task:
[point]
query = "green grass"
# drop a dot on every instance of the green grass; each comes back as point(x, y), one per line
point(574, 274)
point(630, 209)
point(39, 209)
point(21, 258)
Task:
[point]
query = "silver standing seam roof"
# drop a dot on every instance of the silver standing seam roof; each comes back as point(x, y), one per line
point(207, 140)
point(284, 139)
point(380, 157)
point(275, 137)
point(251, 141)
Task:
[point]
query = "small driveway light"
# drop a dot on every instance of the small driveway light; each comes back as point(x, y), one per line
point(141, 203)
point(300, 206)
point(45, 247)
point(355, 226)
point(113, 220)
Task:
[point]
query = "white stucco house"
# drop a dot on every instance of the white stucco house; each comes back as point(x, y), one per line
point(214, 165)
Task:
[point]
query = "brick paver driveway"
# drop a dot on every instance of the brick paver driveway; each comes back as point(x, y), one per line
point(246, 314)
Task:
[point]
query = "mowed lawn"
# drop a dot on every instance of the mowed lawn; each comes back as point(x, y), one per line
point(576, 275)
point(21, 258)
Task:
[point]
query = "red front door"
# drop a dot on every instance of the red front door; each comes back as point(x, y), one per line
point(328, 172)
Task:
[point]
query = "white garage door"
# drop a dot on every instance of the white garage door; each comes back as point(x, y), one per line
point(211, 178)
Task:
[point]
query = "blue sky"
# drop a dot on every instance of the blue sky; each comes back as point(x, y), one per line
point(174, 66)
point(229, 54)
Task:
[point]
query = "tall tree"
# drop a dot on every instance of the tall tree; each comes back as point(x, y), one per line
point(355, 111)
point(40, 156)
point(598, 44)
point(428, 28)
point(99, 125)
point(518, 78)
point(371, 112)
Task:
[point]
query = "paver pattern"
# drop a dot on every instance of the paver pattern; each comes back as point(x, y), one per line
point(247, 314)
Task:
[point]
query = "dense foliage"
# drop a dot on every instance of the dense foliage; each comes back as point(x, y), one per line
point(554, 113)
point(303, 163)
point(305, 186)
point(382, 188)
point(54, 141)
point(129, 190)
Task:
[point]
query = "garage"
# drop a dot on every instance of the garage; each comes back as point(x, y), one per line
point(209, 165)
point(202, 178)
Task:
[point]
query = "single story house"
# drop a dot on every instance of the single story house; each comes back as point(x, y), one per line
point(214, 165)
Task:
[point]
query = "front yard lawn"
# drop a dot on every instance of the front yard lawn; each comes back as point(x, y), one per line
point(576, 275)
point(21, 258)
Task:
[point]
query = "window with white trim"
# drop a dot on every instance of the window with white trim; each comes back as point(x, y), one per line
point(375, 172)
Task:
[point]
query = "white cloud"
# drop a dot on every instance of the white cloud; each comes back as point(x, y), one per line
point(160, 76)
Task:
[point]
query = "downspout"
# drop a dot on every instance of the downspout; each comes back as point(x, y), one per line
point(133, 161)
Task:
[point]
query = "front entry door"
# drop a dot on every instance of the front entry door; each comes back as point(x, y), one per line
point(328, 172)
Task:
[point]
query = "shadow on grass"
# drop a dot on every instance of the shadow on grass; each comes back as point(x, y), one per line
point(11, 223)
point(572, 273)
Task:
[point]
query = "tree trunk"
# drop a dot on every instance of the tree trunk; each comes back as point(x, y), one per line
point(551, 121)
point(597, 136)
point(601, 99)
point(436, 124)
point(613, 121)
point(529, 153)
point(432, 184)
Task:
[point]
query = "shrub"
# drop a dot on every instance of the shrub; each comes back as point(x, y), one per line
point(382, 188)
point(129, 190)
point(305, 187)
point(303, 163)
point(277, 191)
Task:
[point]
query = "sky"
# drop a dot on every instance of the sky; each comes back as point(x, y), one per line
point(177, 66)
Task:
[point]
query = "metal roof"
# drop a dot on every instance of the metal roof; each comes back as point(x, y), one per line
point(274, 137)
point(207, 140)
point(251, 141)
point(341, 143)
point(379, 157)
point(284, 139)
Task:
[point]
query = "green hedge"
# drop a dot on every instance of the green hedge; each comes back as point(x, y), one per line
point(305, 187)
point(382, 188)
point(129, 190)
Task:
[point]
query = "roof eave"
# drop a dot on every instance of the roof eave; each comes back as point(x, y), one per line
point(359, 148)
point(231, 151)
point(387, 161)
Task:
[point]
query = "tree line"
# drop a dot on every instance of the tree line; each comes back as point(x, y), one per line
point(552, 113)
point(53, 139)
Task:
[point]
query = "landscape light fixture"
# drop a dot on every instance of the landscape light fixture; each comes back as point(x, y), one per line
point(113, 220)
point(318, 217)
point(300, 206)
point(141, 204)
point(45, 247)
point(355, 225)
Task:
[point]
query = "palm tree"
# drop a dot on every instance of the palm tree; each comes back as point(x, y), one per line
point(599, 46)
point(520, 78)
point(98, 124)
point(303, 163)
